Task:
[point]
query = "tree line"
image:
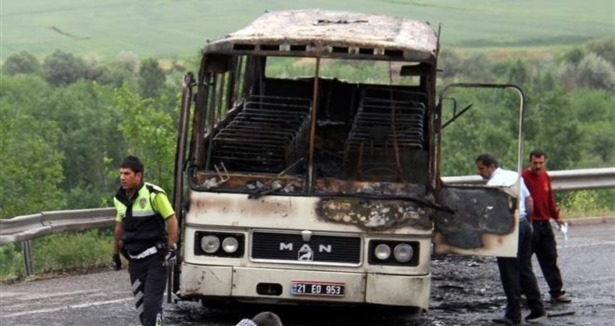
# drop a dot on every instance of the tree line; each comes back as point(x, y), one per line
point(67, 121)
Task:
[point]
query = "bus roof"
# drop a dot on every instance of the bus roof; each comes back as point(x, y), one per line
point(322, 33)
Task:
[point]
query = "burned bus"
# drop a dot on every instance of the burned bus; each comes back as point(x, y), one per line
point(308, 167)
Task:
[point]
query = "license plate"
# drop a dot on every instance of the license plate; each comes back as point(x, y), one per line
point(327, 289)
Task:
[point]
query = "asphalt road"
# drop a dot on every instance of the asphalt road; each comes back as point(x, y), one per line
point(465, 291)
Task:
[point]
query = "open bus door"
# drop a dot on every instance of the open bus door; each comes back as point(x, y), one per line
point(480, 220)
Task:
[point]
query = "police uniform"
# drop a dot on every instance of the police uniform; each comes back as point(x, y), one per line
point(144, 245)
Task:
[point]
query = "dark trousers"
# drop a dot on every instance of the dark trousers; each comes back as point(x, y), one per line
point(148, 277)
point(517, 275)
point(543, 244)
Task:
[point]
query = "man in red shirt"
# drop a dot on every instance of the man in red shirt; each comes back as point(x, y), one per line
point(543, 240)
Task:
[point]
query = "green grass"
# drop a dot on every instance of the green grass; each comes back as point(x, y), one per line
point(178, 28)
point(58, 254)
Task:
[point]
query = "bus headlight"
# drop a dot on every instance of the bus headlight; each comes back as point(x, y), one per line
point(219, 244)
point(394, 252)
point(210, 244)
point(382, 251)
point(230, 245)
point(403, 252)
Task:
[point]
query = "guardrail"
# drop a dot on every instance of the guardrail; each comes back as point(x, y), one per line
point(27, 227)
point(580, 179)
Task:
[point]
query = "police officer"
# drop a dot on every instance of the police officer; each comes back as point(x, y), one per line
point(146, 235)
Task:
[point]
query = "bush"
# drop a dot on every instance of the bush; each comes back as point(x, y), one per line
point(61, 68)
point(583, 203)
point(72, 251)
point(595, 72)
point(11, 263)
point(21, 63)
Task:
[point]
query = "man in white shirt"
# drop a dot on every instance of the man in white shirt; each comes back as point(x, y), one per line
point(515, 272)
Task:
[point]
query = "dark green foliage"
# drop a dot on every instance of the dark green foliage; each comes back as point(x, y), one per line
point(115, 75)
point(72, 251)
point(30, 159)
point(88, 120)
point(594, 72)
point(546, 82)
point(557, 131)
point(11, 263)
point(490, 125)
point(151, 78)
point(477, 68)
point(61, 68)
point(575, 55)
point(149, 133)
point(604, 48)
point(21, 63)
point(518, 73)
point(600, 138)
point(595, 114)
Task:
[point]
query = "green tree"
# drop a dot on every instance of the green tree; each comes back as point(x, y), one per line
point(596, 73)
point(488, 126)
point(575, 55)
point(91, 67)
point(129, 61)
point(519, 73)
point(601, 142)
point(150, 134)
point(451, 63)
point(61, 68)
point(30, 162)
point(151, 78)
point(604, 48)
point(477, 68)
point(593, 110)
point(88, 121)
point(551, 125)
point(21, 63)
point(545, 82)
point(115, 74)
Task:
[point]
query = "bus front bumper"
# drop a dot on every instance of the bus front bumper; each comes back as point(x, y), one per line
point(268, 285)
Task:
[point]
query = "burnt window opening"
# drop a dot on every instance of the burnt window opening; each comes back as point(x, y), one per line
point(298, 47)
point(368, 51)
point(394, 53)
point(270, 47)
point(244, 47)
point(262, 124)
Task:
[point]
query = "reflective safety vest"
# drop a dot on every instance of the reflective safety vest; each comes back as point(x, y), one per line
point(144, 227)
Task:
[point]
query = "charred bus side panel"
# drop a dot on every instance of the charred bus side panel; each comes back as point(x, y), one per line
point(320, 188)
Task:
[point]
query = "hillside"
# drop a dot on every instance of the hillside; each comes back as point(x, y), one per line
point(178, 28)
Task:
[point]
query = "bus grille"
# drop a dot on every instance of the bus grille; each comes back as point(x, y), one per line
point(290, 247)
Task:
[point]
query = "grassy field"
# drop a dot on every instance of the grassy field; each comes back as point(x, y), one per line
point(178, 28)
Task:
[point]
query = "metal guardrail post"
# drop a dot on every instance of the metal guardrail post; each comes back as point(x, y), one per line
point(26, 248)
